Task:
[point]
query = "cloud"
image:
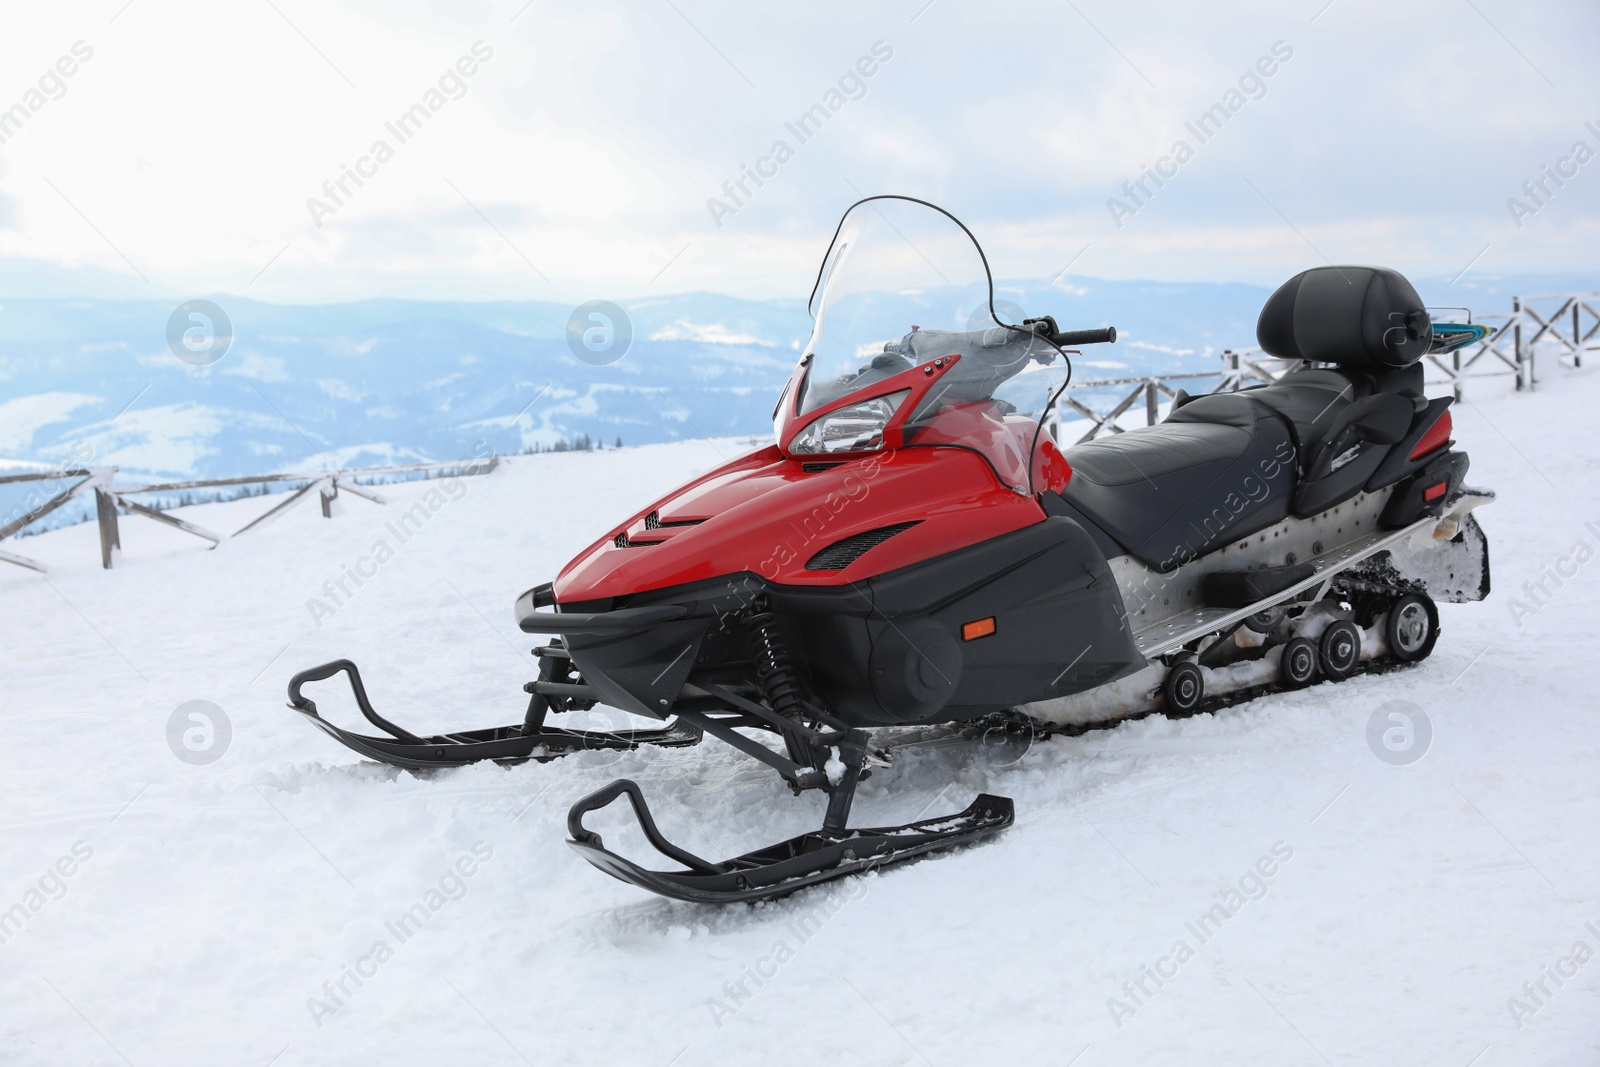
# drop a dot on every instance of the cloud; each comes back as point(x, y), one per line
point(578, 164)
point(338, 390)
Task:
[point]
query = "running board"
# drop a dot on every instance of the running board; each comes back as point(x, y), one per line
point(781, 869)
point(1179, 630)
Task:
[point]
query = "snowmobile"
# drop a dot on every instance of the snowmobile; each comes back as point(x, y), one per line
point(915, 549)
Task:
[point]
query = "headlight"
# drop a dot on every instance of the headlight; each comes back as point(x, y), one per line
point(857, 428)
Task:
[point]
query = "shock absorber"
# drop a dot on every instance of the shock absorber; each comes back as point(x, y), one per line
point(780, 684)
point(775, 669)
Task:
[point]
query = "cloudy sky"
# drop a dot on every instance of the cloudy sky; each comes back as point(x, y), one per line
point(580, 156)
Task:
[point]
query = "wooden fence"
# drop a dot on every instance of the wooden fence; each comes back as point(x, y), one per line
point(110, 499)
point(1564, 325)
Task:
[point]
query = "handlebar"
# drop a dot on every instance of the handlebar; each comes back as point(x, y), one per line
point(1107, 335)
point(1045, 326)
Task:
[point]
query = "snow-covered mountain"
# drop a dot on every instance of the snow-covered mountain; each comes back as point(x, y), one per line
point(370, 383)
point(378, 382)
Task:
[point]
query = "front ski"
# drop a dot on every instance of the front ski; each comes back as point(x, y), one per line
point(502, 744)
point(781, 869)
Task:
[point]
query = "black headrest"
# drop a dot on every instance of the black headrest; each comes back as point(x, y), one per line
point(1355, 316)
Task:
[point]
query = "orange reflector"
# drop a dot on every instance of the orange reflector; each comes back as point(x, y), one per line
point(974, 630)
point(1434, 492)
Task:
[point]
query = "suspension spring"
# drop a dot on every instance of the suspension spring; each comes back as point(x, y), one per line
point(775, 669)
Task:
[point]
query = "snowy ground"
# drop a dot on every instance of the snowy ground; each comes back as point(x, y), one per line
point(211, 907)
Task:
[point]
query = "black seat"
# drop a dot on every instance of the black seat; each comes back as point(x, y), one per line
point(1370, 324)
point(1315, 399)
point(1228, 464)
point(1220, 468)
point(1312, 401)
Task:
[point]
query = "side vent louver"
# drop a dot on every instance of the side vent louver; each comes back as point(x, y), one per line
point(842, 553)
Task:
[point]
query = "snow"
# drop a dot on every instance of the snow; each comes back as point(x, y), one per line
point(183, 912)
point(715, 333)
point(22, 417)
point(835, 767)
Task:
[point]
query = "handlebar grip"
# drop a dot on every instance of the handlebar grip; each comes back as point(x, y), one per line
point(1107, 335)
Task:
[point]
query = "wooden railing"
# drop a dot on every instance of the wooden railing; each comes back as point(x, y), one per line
point(1557, 322)
point(111, 498)
point(1569, 324)
point(1151, 389)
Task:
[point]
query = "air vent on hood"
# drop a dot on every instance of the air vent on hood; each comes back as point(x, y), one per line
point(842, 553)
point(653, 521)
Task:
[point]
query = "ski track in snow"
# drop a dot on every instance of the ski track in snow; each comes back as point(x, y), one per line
point(218, 900)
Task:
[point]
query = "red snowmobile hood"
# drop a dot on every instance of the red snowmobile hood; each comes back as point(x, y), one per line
point(770, 515)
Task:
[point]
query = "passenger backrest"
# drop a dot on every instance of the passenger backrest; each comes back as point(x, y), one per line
point(1366, 317)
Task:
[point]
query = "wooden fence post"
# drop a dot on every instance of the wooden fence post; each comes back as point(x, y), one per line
point(1577, 334)
point(1524, 359)
point(105, 506)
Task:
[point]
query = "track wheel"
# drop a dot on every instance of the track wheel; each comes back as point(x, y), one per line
point(1299, 663)
point(1340, 649)
point(1184, 688)
point(1262, 622)
point(1412, 628)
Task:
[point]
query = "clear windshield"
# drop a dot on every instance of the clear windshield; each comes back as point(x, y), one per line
point(895, 267)
point(903, 284)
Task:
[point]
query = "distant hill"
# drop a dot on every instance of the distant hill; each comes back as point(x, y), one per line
point(397, 381)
